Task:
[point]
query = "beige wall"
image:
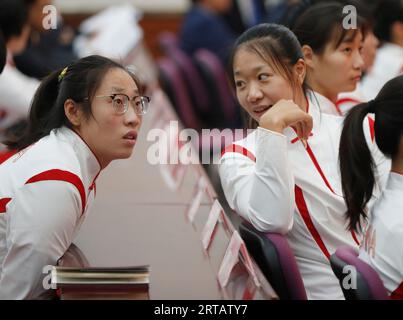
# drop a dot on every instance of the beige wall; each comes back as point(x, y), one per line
point(147, 6)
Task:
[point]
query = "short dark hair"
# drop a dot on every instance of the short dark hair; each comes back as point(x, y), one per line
point(387, 13)
point(13, 17)
point(322, 24)
point(79, 83)
point(365, 8)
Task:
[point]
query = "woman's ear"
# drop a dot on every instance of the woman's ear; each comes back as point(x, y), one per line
point(73, 112)
point(300, 70)
point(400, 150)
point(308, 55)
point(397, 32)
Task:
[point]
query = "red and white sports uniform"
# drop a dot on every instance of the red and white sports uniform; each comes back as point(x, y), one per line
point(45, 193)
point(325, 105)
point(388, 64)
point(383, 242)
point(276, 184)
point(347, 100)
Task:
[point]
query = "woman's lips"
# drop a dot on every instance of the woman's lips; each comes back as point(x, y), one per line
point(130, 138)
point(261, 110)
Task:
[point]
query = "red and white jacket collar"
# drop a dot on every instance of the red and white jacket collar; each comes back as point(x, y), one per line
point(90, 166)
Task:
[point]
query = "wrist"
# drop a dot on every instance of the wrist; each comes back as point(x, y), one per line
point(272, 125)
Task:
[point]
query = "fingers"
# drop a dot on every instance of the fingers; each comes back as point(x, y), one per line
point(303, 129)
point(299, 130)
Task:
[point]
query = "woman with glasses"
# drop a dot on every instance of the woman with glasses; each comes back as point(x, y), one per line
point(81, 118)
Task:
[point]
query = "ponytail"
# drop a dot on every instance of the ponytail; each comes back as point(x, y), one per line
point(356, 165)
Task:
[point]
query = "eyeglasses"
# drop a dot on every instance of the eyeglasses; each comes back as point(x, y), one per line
point(120, 103)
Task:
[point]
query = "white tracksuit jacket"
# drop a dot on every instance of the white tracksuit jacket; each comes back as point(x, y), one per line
point(347, 100)
point(16, 93)
point(383, 242)
point(388, 64)
point(276, 184)
point(45, 193)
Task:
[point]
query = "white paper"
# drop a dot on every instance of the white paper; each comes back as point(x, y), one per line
point(211, 222)
point(196, 200)
point(230, 259)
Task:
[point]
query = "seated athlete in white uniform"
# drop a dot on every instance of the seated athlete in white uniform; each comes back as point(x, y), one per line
point(81, 119)
point(347, 100)
point(283, 177)
point(382, 245)
point(331, 52)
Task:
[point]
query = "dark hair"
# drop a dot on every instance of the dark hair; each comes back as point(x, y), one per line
point(387, 13)
point(275, 44)
point(3, 52)
point(13, 17)
point(79, 83)
point(365, 8)
point(322, 23)
point(356, 164)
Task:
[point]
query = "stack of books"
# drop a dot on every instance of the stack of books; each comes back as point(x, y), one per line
point(101, 283)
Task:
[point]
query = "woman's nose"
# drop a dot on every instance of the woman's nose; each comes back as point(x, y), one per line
point(131, 118)
point(358, 62)
point(254, 93)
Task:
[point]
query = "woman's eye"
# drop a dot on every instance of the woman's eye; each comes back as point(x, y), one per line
point(118, 101)
point(239, 83)
point(263, 76)
point(347, 50)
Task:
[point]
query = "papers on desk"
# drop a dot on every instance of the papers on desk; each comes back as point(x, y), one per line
point(113, 33)
point(102, 283)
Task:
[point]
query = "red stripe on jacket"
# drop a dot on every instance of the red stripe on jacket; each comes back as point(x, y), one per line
point(61, 175)
point(234, 148)
point(303, 210)
point(3, 204)
point(5, 155)
point(345, 100)
point(398, 293)
point(371, 123)
point(318, 168)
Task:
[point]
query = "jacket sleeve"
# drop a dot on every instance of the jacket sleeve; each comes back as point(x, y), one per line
point(41, 225)
point(261, 192)
point(16, 92)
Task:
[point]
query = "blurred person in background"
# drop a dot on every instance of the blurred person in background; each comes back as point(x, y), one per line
point(389, 58)
point(16, 89)
point(203, 27)
point(47, 49)
point(347, 100)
